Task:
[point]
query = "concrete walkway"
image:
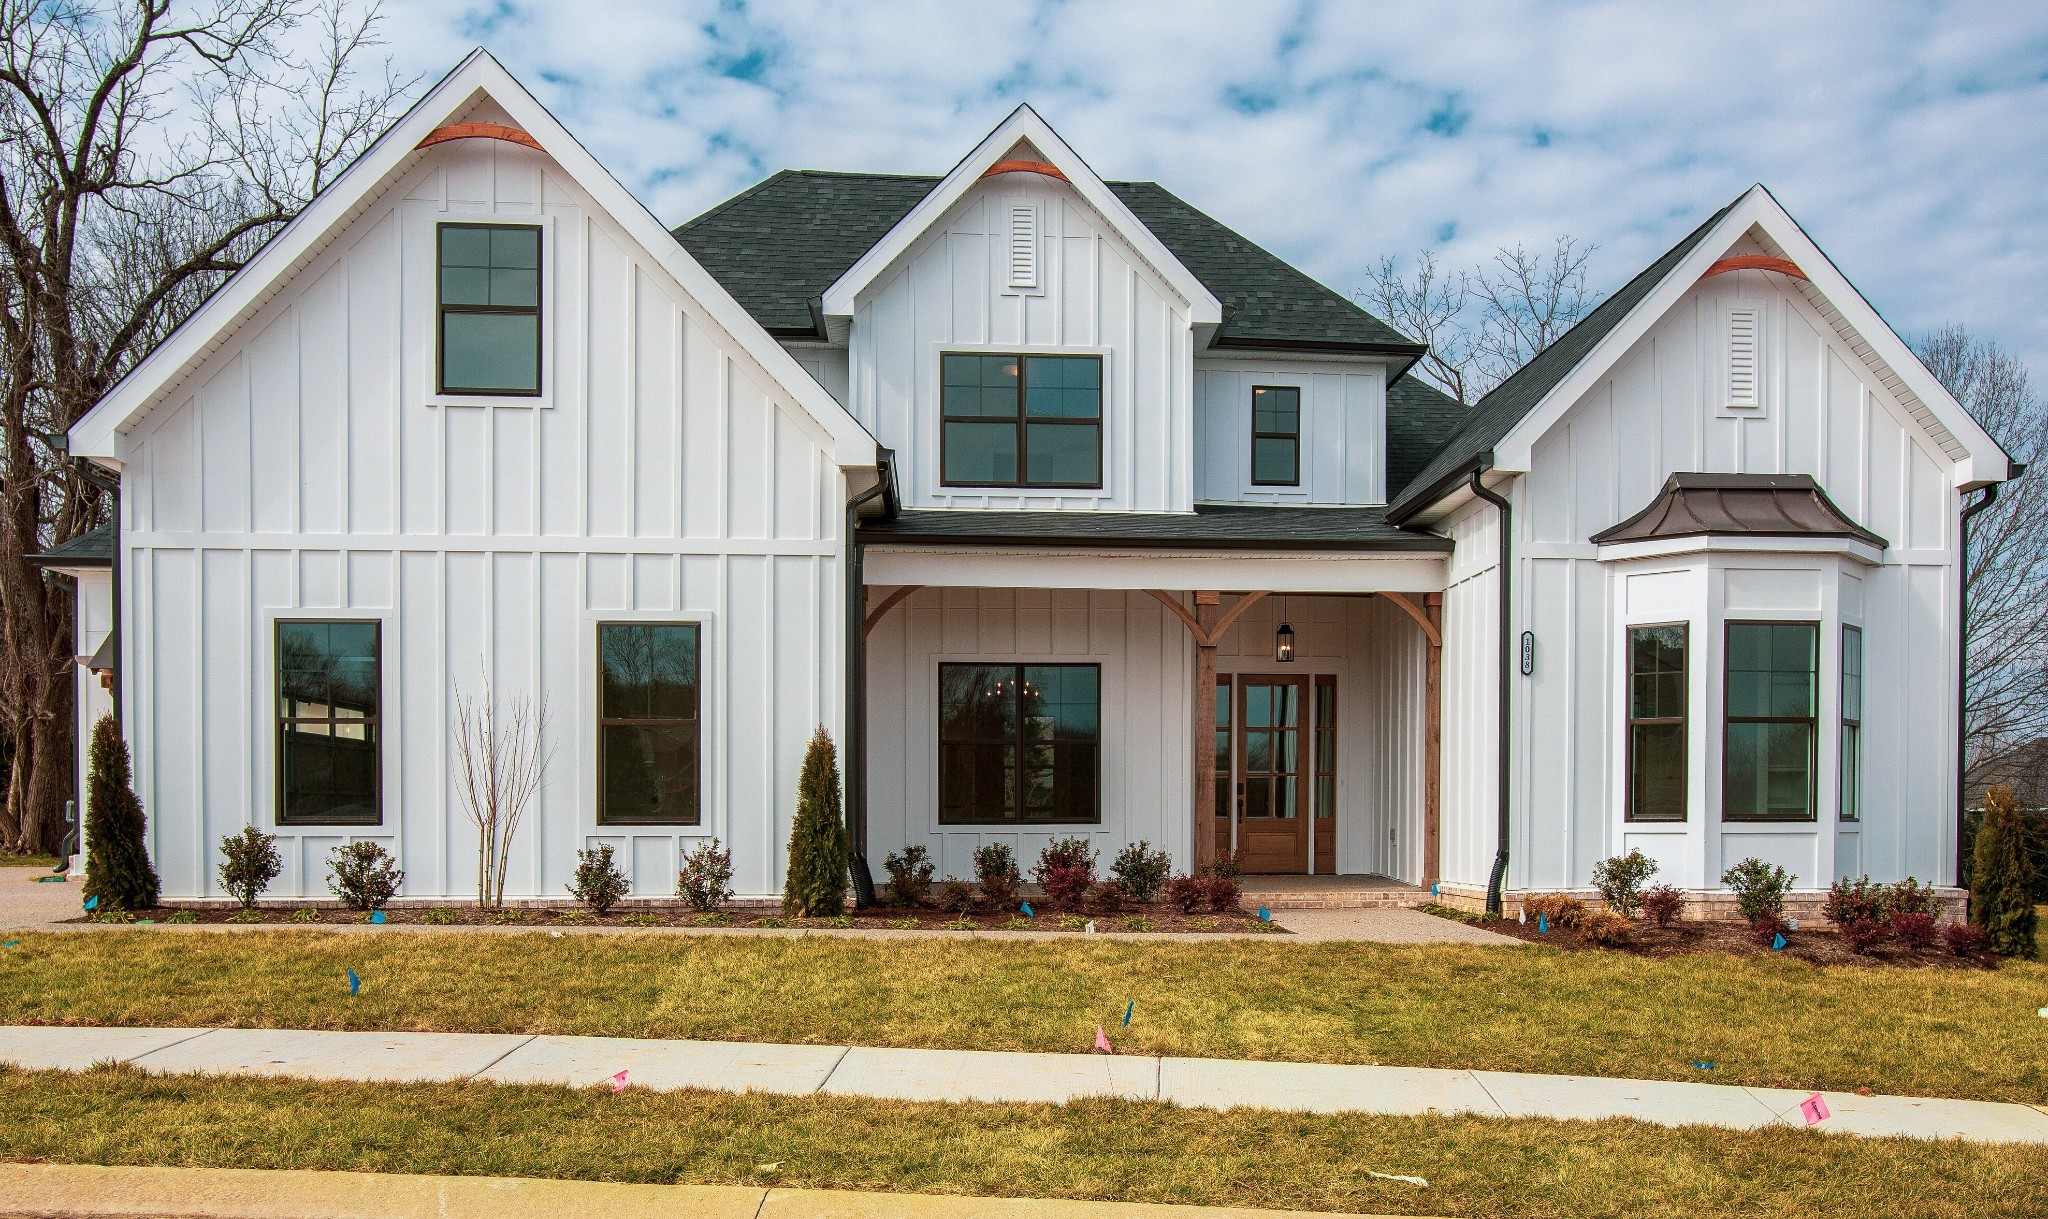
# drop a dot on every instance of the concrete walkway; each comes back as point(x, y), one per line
point(977, 1075)
point(240, 1193)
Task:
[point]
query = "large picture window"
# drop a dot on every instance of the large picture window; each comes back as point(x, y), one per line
point(1657, 722)
point(489, 294)
point(1768, 742)
point(649, 726)
point(1852, 723)
point(1276, 436)
point(328, 727)
point(1019, 743)
point(1020, 421)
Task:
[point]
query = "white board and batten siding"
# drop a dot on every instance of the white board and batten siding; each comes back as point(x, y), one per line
point(1740, 376)
point(953, 291)
point(1343, 430)
point(1468, 795)
point(308, 470)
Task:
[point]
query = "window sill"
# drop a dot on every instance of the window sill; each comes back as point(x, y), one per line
point(541, 400)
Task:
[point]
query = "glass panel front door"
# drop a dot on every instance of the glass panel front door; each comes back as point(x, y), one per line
point(1272, 832)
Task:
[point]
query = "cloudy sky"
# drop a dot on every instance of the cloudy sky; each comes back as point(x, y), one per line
point(1911, 139)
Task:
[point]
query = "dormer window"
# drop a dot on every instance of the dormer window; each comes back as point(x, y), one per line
point(1020, 421)
point(1276, 436)
point(489, 296)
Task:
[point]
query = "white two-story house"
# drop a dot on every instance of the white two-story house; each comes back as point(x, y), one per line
point(1064, 508)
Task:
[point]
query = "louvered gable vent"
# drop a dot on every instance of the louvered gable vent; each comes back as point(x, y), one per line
point(1023, 246)
point(1743, 371)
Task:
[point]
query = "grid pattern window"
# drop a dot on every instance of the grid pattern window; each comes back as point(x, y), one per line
point(1020, 421)
point(649, 728)
point(1768, 740)
point(1019, 744)
point(1657, 722)
point(1276, 436)
point(1326, 748)
point(1271, 775)
point(489, 295)
point(1852, 723)
point(1223, 739)
point(328, 728)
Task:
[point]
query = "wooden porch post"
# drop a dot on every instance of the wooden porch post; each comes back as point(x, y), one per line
point(1432, 743)
point(1207, 605)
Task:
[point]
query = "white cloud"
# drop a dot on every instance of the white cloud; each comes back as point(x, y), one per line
point(1907, 138)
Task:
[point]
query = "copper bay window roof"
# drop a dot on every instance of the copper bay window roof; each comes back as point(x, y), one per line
point(1738, 505)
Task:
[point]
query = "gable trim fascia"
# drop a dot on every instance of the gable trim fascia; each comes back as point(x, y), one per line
point(364, 181)
point(1977, 457)
point(1025, 124)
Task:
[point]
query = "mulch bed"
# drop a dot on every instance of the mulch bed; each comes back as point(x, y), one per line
point(1813, 946)
point(1150, 918)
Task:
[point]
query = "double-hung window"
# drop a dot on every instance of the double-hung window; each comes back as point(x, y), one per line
point(1276, 436)
point(328, 727)
point(1019, 743)
point(1020, 421)
point(649, 733)
point(1657, 722)
point(489, 303)
point(1852, 723)
point(1769, 735)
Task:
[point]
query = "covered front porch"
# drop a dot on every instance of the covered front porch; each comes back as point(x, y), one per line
point(1287, 716)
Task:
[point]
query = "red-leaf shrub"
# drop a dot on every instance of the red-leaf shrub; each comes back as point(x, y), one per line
point(1914, 928)
point(1066, 885)
point(1852, 900)
point(1766, 924)
point(1663, 904)
point(1222, 892)
point(1965, 940)
point(1111, 897)
point(1860, 935)
point(1184, 893)
point(996, 868)
point(1909, 896)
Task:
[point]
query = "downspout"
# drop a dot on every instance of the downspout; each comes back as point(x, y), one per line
point(1987, 497)
point(100, 477)
point(1495, 882)
point(856, 768)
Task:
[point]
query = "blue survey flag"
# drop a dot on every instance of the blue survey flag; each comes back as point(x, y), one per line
point(1128, 1009)
point(1704, 1066)
point(93, 902)
point(1435, 890)
point(1265, 915)
point(17, 944)
point(1543, 924)
point(1778, 942)
point(354, 983)
point(377, 916)
point(1026, 908)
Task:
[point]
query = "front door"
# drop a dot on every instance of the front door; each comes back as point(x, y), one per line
point(1272, 830)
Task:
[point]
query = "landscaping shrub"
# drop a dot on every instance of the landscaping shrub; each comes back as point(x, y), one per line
point(1759, 887)
point(1851, 901)
point(599, 884)
point(1663, 904)
point(1909, 896)
point(1860, 934)
point(957, 896)
point(1066, 871)
point(1221, 892)
point(1607, 929)
point(1562, 909)
point(995, 868)
point(2001, 878)
point(117, 868)
point(910, 875)
point(363, 875)
point(1964, 940)
point(249, 863)
point(1184, 892)
point(1141, 870)
point(705, 881)
point(1621, 879)
point(1111, 897)
point(1914, 928)
point(1768, 924)
point(815, 885)
point(1226, 863)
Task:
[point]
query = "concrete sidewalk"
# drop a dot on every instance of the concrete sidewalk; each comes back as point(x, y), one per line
point(84, 1191)
point(977, 1075)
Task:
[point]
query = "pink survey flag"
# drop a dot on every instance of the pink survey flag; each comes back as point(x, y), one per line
point(619, 1082)
point(1815, 1108)
point(1102, 1041)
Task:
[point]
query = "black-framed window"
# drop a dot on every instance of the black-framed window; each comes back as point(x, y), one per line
point(1768, 734)
point(1276, 436)
point(488, 293)
point(1020, 420)
point(329, 732)
point(1019, 743)
point(650, 727)
point(1852, 724)
point(1325, 751)
point(1657, 722)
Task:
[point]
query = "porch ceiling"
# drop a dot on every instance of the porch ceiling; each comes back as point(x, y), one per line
point(1209, 527)
point(1014, 566)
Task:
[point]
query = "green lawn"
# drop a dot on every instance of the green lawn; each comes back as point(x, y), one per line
point(1965, 1033)
point(1098, 1149)
point(11, 860)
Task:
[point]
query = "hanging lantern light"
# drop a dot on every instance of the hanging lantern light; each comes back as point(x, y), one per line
point(1283, 639)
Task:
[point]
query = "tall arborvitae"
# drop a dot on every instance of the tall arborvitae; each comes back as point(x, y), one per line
point(117, 868)
point(816, 884)
point(2002, 878)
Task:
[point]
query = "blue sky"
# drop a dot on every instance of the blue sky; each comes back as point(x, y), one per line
point(1910, 139)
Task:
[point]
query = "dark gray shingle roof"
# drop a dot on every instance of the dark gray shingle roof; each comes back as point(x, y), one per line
point(93, 548)
point(1420, 417)
point(779, 245)
point(1249, 526)
point(1498, 412)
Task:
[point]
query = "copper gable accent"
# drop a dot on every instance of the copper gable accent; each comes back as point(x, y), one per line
point(1739, 505)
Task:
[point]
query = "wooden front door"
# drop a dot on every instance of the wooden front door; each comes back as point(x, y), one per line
point(1272, 747)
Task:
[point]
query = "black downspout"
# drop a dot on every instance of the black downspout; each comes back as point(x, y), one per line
point(1495, 882)
point(98, 477)
point(1986, 498)
point(856, 693)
